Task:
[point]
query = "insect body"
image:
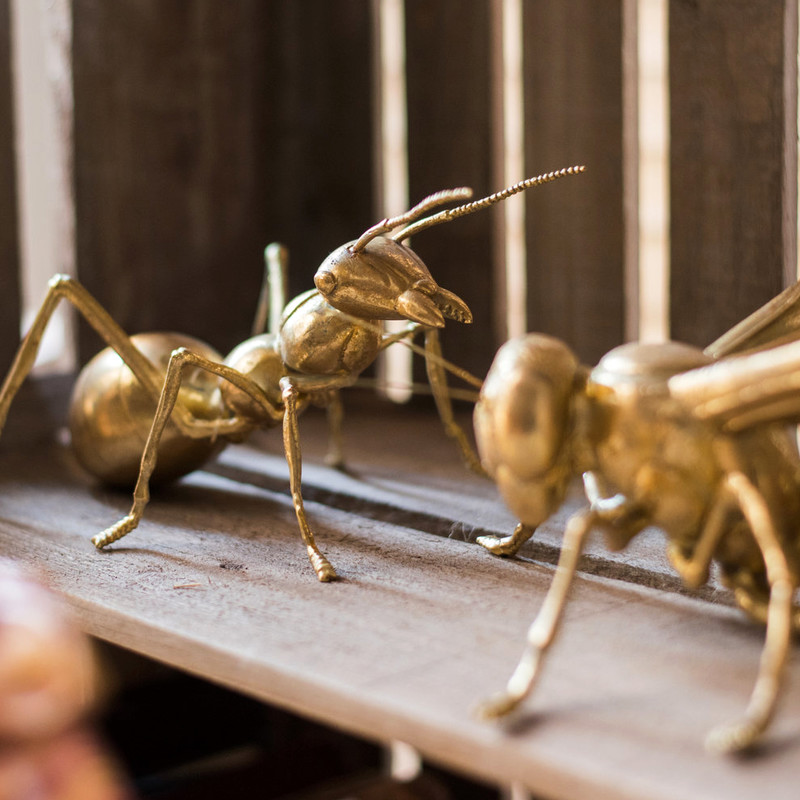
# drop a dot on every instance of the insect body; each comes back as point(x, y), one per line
point(316, 345)
point(695, 442)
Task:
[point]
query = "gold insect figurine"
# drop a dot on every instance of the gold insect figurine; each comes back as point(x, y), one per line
point(695, 442)
point(187, 401)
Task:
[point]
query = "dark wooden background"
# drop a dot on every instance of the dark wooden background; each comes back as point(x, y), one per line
point(205, 130)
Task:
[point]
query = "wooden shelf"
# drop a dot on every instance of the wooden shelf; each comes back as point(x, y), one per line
point(423, 623)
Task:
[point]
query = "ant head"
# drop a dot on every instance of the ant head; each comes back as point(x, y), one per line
point(378, 277)
point(384, 279)
point(522, 424)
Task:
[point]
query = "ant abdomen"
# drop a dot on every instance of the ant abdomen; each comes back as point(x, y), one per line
point(111, 413)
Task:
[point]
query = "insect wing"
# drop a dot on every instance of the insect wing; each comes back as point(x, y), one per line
point(776, 322)
point(741, 391)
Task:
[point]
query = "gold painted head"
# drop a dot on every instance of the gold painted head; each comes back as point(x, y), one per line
point(385, 279)
point(522, 424)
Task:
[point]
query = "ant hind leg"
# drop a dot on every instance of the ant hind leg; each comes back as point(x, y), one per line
point(63, 287)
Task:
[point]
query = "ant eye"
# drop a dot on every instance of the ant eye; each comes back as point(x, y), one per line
point(325, 281)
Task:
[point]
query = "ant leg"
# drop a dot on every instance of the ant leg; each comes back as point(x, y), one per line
point(507, 545)
point(196, 428)
point(335, 412)
point(291, 444)
point(63, 287)
point(756, 606)
point(693, 567)
point(441, 395)
point(272, 297)
point(544, 628)
point(743, 734)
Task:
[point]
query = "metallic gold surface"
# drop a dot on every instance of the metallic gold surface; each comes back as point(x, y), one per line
point(111, 413)
point(155, 406)
point(694, 442)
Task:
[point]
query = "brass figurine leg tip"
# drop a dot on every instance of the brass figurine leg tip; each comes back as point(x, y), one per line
point(323, 567)
point(727, 739)
point(496, 707)
point(335, 462)
point(497, 545)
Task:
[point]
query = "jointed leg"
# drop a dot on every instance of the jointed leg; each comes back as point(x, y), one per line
point(694, 568)
point(335, 412)
point(438, 381)
point(761, 707)
point(507, 545)
point(544, 628)
point(179, 360)
point(64, 287)
point(291, 444)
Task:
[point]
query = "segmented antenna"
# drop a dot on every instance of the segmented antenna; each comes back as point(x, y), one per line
point(477, 205)
point(431, 201)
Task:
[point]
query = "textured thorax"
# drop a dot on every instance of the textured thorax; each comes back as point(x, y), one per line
point(315, 339)
point(648, 447)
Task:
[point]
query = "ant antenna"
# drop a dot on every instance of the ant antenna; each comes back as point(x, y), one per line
point(477, 205)
point(431, 201)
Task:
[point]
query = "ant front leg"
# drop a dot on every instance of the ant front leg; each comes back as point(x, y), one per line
point(437, 378)
point(190, 426)
point(291, 444)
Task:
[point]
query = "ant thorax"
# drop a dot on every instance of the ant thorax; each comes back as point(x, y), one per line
point(316, 339)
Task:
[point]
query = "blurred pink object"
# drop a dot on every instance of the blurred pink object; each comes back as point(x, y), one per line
point(47, 690)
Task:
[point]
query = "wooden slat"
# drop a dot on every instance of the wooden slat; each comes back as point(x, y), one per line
point(727, 137)
point(205, 130)
point(9, 243)
point(449, 118)
point(419, 629)
point(573, 115)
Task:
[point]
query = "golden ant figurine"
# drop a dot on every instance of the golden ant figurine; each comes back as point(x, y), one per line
point(187, 401)
point(698, 443)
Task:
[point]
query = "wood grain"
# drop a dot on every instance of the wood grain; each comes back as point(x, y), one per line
point(9, 243)
point(727, 137)
point(573, 115)
point(420, 628)
point(203, 131)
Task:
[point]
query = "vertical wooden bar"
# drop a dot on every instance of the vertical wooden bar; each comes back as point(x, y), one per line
point(205, 130)
point(727, 160)
point(449, 144)
point(9, 237)
point(574, 115)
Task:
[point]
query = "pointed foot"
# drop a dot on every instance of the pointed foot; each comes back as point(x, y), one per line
point(115, 532)
point(335, 461)
point(498, 706)
point(323, 567)
point(733, 738)
point(498, 545)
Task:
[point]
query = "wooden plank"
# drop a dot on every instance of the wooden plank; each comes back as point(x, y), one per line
point(448, 74)
point(573, 115)
point(401, 470)
point(420, 628)
point(203, 131)
point(727, 112)
point(9, 241)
